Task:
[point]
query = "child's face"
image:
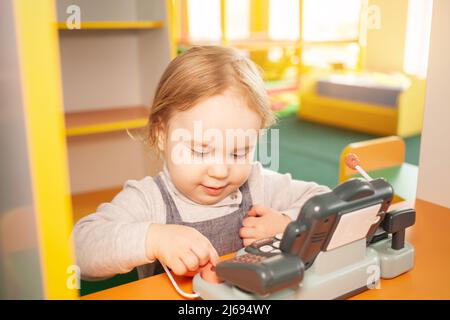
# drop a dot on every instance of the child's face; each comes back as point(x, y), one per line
point(209, 148)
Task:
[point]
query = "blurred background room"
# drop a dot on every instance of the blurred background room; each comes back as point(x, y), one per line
point(77, 79)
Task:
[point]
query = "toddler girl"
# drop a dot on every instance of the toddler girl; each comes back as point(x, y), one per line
point(211, 198)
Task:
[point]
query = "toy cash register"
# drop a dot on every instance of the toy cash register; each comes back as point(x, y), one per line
point(341, 244)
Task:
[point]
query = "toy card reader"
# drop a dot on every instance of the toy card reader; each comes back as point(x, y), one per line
point(326, 252)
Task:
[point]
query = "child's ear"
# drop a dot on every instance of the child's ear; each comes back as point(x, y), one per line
point(161, 138)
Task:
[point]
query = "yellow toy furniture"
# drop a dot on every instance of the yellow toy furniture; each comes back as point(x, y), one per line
point(383, 157)
point(368, 102)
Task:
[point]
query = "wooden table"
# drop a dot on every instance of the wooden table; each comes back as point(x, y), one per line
point(430, 278)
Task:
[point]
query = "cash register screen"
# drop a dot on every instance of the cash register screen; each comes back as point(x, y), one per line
point(354, 226)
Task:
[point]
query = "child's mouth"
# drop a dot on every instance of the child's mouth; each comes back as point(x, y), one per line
point(212, 191)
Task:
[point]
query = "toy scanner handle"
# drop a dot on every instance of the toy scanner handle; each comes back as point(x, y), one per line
point(353, 190)
point(352, 161)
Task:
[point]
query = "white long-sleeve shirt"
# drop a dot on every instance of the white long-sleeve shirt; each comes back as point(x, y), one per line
point(113, 239)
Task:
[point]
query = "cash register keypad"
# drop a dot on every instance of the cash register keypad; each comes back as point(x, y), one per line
point(266, 247)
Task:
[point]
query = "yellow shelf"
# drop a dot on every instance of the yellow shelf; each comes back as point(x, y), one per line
point(99, 121)
point(111, 25)
point(263, 44)
point(330, 42)
point(249, 44)
point(266, 43)
point(88, 202)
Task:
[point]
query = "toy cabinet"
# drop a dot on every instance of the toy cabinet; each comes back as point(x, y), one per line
point(110, 69)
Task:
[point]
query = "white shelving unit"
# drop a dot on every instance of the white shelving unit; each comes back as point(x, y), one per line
point(110, 70)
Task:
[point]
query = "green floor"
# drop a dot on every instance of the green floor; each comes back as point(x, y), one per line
point(310, 151)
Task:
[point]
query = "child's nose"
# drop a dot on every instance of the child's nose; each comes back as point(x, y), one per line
point(218, 170)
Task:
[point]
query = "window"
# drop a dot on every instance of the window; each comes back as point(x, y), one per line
point(418, 37)
point(323, 21)
point(328, 21)
point(331, 20)
point(238, 19)
point(204, 20)
point(284, 20)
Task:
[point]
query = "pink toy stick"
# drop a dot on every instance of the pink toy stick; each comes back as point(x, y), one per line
point(352, 161)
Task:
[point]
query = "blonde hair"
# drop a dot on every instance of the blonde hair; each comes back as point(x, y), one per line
point(202, 72)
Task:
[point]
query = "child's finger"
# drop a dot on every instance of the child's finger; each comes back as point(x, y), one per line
point(177, 266)
point(260, 210)
point(252, 213)
point(202, 253)
point(209, 274)
point(249, 222)
point(190, 260)
point(213, 256)
point(246, 232)
point(248, 241)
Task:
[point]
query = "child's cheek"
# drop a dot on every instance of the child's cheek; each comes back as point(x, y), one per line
point(240, 173)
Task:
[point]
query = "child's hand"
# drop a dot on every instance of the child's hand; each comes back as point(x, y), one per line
point(180, 248)
point(262, 222)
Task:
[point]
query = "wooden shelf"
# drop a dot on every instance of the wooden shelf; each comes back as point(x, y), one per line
point(98, 121)
point(249, 44)
point(264, 43)
point(115, 25)
point(330, 42)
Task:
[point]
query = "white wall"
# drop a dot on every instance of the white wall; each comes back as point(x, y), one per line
point(386, 46)
point(434, 164)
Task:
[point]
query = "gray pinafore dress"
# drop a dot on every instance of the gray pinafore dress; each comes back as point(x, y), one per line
point(222, 232)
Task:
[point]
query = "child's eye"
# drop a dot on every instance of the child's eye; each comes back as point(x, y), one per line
point(239, 155)
point(200, 152)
